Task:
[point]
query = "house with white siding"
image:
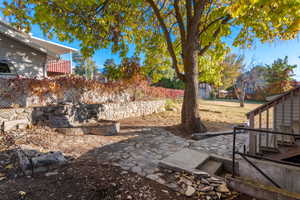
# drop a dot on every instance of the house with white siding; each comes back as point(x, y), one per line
point(22, 55)
point(205, 90)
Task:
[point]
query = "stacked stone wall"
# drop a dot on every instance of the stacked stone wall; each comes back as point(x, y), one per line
point(73, 115)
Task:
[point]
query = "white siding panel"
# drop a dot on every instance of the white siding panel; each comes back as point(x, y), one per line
point(27, 61)
point(289, 116)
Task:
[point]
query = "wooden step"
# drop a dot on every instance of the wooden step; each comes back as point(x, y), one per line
point(210, 166)
point(264, 149)
point(286, 141)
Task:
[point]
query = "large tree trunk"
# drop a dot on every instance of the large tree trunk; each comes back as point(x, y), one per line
point(190, 118)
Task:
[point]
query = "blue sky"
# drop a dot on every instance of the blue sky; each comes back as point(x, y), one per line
point(266, 53)
point(261, 53)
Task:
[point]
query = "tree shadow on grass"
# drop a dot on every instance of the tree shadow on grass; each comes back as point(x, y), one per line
point(178, 130)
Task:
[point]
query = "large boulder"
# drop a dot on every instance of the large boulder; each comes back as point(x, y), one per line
point(31, 161)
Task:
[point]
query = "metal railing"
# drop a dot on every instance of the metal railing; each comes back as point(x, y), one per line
point(245, 155)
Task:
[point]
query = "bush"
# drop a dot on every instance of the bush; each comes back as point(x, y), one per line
point(170, 83)
point(170, 105)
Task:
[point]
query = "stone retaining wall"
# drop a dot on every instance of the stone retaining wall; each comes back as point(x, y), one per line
point(74, 115)
point(13, 97)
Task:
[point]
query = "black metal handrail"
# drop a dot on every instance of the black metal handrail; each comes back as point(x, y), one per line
point(245, 155)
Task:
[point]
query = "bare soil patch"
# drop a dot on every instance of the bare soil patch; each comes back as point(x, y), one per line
point(85, 179)
point(90, 180)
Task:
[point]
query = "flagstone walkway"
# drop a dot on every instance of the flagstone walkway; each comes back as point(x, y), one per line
point(141, 154)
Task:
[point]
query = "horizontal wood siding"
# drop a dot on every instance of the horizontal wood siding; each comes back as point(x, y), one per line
point(286, 113)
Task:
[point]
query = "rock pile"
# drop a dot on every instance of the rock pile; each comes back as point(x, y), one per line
point(208, 188)
point(201, 186)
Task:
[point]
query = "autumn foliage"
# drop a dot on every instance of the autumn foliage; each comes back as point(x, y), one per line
point(136, 87)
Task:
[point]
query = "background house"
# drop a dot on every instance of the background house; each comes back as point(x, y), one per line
point(26, 56)
point(254, 80)
point(205, 90)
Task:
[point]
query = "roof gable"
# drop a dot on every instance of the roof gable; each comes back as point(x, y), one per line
point(50, 48)
point(273, 102)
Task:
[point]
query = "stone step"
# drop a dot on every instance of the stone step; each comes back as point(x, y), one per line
point(186, 159)
point(210, 166)
point(15, 124)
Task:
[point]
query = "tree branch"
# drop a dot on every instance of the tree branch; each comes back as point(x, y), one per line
point(210, 24)
point(216, 33)
point(100, 8)
point(198, 8)
point(163, 5)
point(180, 22)
point(188, 6)
point(168, 39)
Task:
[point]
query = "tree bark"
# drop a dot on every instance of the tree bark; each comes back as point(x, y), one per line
point(240, 94)
point(242, 97)
point(190, 117)
point(189, 41)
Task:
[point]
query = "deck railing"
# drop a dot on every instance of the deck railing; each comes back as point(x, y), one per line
point(59, 66)
point(245, 155)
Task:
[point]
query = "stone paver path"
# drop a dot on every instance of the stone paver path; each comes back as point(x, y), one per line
point(139, 150)
point(141, 154)
point(221, 145)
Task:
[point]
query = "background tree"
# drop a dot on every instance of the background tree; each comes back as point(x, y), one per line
point(242, 80)
point(188, 29)
point(127, 69)
point(173, 83)
point(240, 88)
point(233, 65)
point(84, 66)
point(111, 71)
point(279, 76)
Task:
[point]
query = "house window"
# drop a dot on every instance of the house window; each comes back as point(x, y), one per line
point(4, 68)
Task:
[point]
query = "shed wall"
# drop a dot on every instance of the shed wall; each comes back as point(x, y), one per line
point(287, 113)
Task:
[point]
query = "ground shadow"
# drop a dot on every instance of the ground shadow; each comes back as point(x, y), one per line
point(94, 175)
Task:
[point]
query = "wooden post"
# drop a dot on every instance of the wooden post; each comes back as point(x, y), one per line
point(252, 136)
point(259, 115)
point(267, 119)
point(275, 117)
point(283, 115)
point(292, 109)
point(259, 134)
point(267, 138)
point(275, 125)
